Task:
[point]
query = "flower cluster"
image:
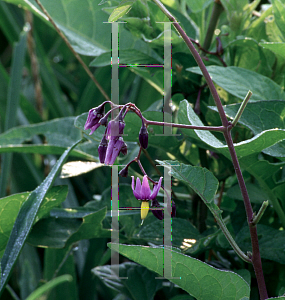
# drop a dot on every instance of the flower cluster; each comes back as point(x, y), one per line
point(112, 143)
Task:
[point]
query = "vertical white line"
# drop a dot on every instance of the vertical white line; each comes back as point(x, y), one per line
point(167, 224)
point(167, 111)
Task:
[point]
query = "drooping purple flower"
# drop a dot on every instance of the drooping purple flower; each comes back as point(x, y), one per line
point(143, 192)
point(94, 115)
point(102, 149)
point(143, 137)
point(113, 150)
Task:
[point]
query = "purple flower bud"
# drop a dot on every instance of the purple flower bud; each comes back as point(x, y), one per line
point(158, 213)
point(104, 121)
point(124, 172)
point(143, 137)
point(220, 49)
point(94, 115)
point(102, 149)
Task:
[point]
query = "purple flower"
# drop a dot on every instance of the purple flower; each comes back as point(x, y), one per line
point(143, 192)
point(115, 129)
point(94, 115)
point(113, 150)
point(143, 137)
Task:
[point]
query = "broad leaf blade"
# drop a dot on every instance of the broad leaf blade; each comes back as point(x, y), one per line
point(195, 277)
point(258, 143)
point(25, 219)
point(238, 81)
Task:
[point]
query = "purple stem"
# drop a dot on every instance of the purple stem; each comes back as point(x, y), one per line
point(256, 259)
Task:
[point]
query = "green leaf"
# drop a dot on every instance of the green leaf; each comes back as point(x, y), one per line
point(53, 232)
point(256, 195)
point(48, 286)
point(123, 8)
point(127, 56)
point(13, 97)
point(278, 10)
point(195, 277)
point(197, 6)
point(182, 230)
point(10, 206)
point(139, 283)
point(26, 217)
point(271, 242)
point(59, 134)
point(261, 141)
point(62, 230)
point(91, 37)
point(277, 48)
point(238, 81)
point(201, 180)
point(259, 116)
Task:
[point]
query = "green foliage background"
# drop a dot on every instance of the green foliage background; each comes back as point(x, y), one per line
point(54, 239)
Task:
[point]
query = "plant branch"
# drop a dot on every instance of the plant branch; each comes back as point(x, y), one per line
point(212, 128)
point(199, 62)
point(73, 51)
point(216, 12)
point(256, 259)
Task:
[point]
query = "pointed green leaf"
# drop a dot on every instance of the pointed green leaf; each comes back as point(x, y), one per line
point(261, 141)
point(26, 218)
point(238, 81)
point(259, 116)
point(10, 206)
point(59, 134)
point(122, 9)
point(195, 277)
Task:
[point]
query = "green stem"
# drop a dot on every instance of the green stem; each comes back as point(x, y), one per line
point(242, 107)
point(260, 213)
point(216, 12)
point(230, 239)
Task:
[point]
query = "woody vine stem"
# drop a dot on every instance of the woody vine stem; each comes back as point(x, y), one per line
point(255, 258)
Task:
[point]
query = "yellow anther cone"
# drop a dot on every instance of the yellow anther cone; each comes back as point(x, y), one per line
point(144, 209)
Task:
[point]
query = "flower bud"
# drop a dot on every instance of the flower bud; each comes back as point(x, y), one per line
point(157, 210)
point(124, 172)
point(143, 137)
point(102, 149)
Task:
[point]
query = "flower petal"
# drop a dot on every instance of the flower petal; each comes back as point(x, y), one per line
point(136, 190)
point(116, 150)
point(145, 190)
point(156, 189)
point(109, 152)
